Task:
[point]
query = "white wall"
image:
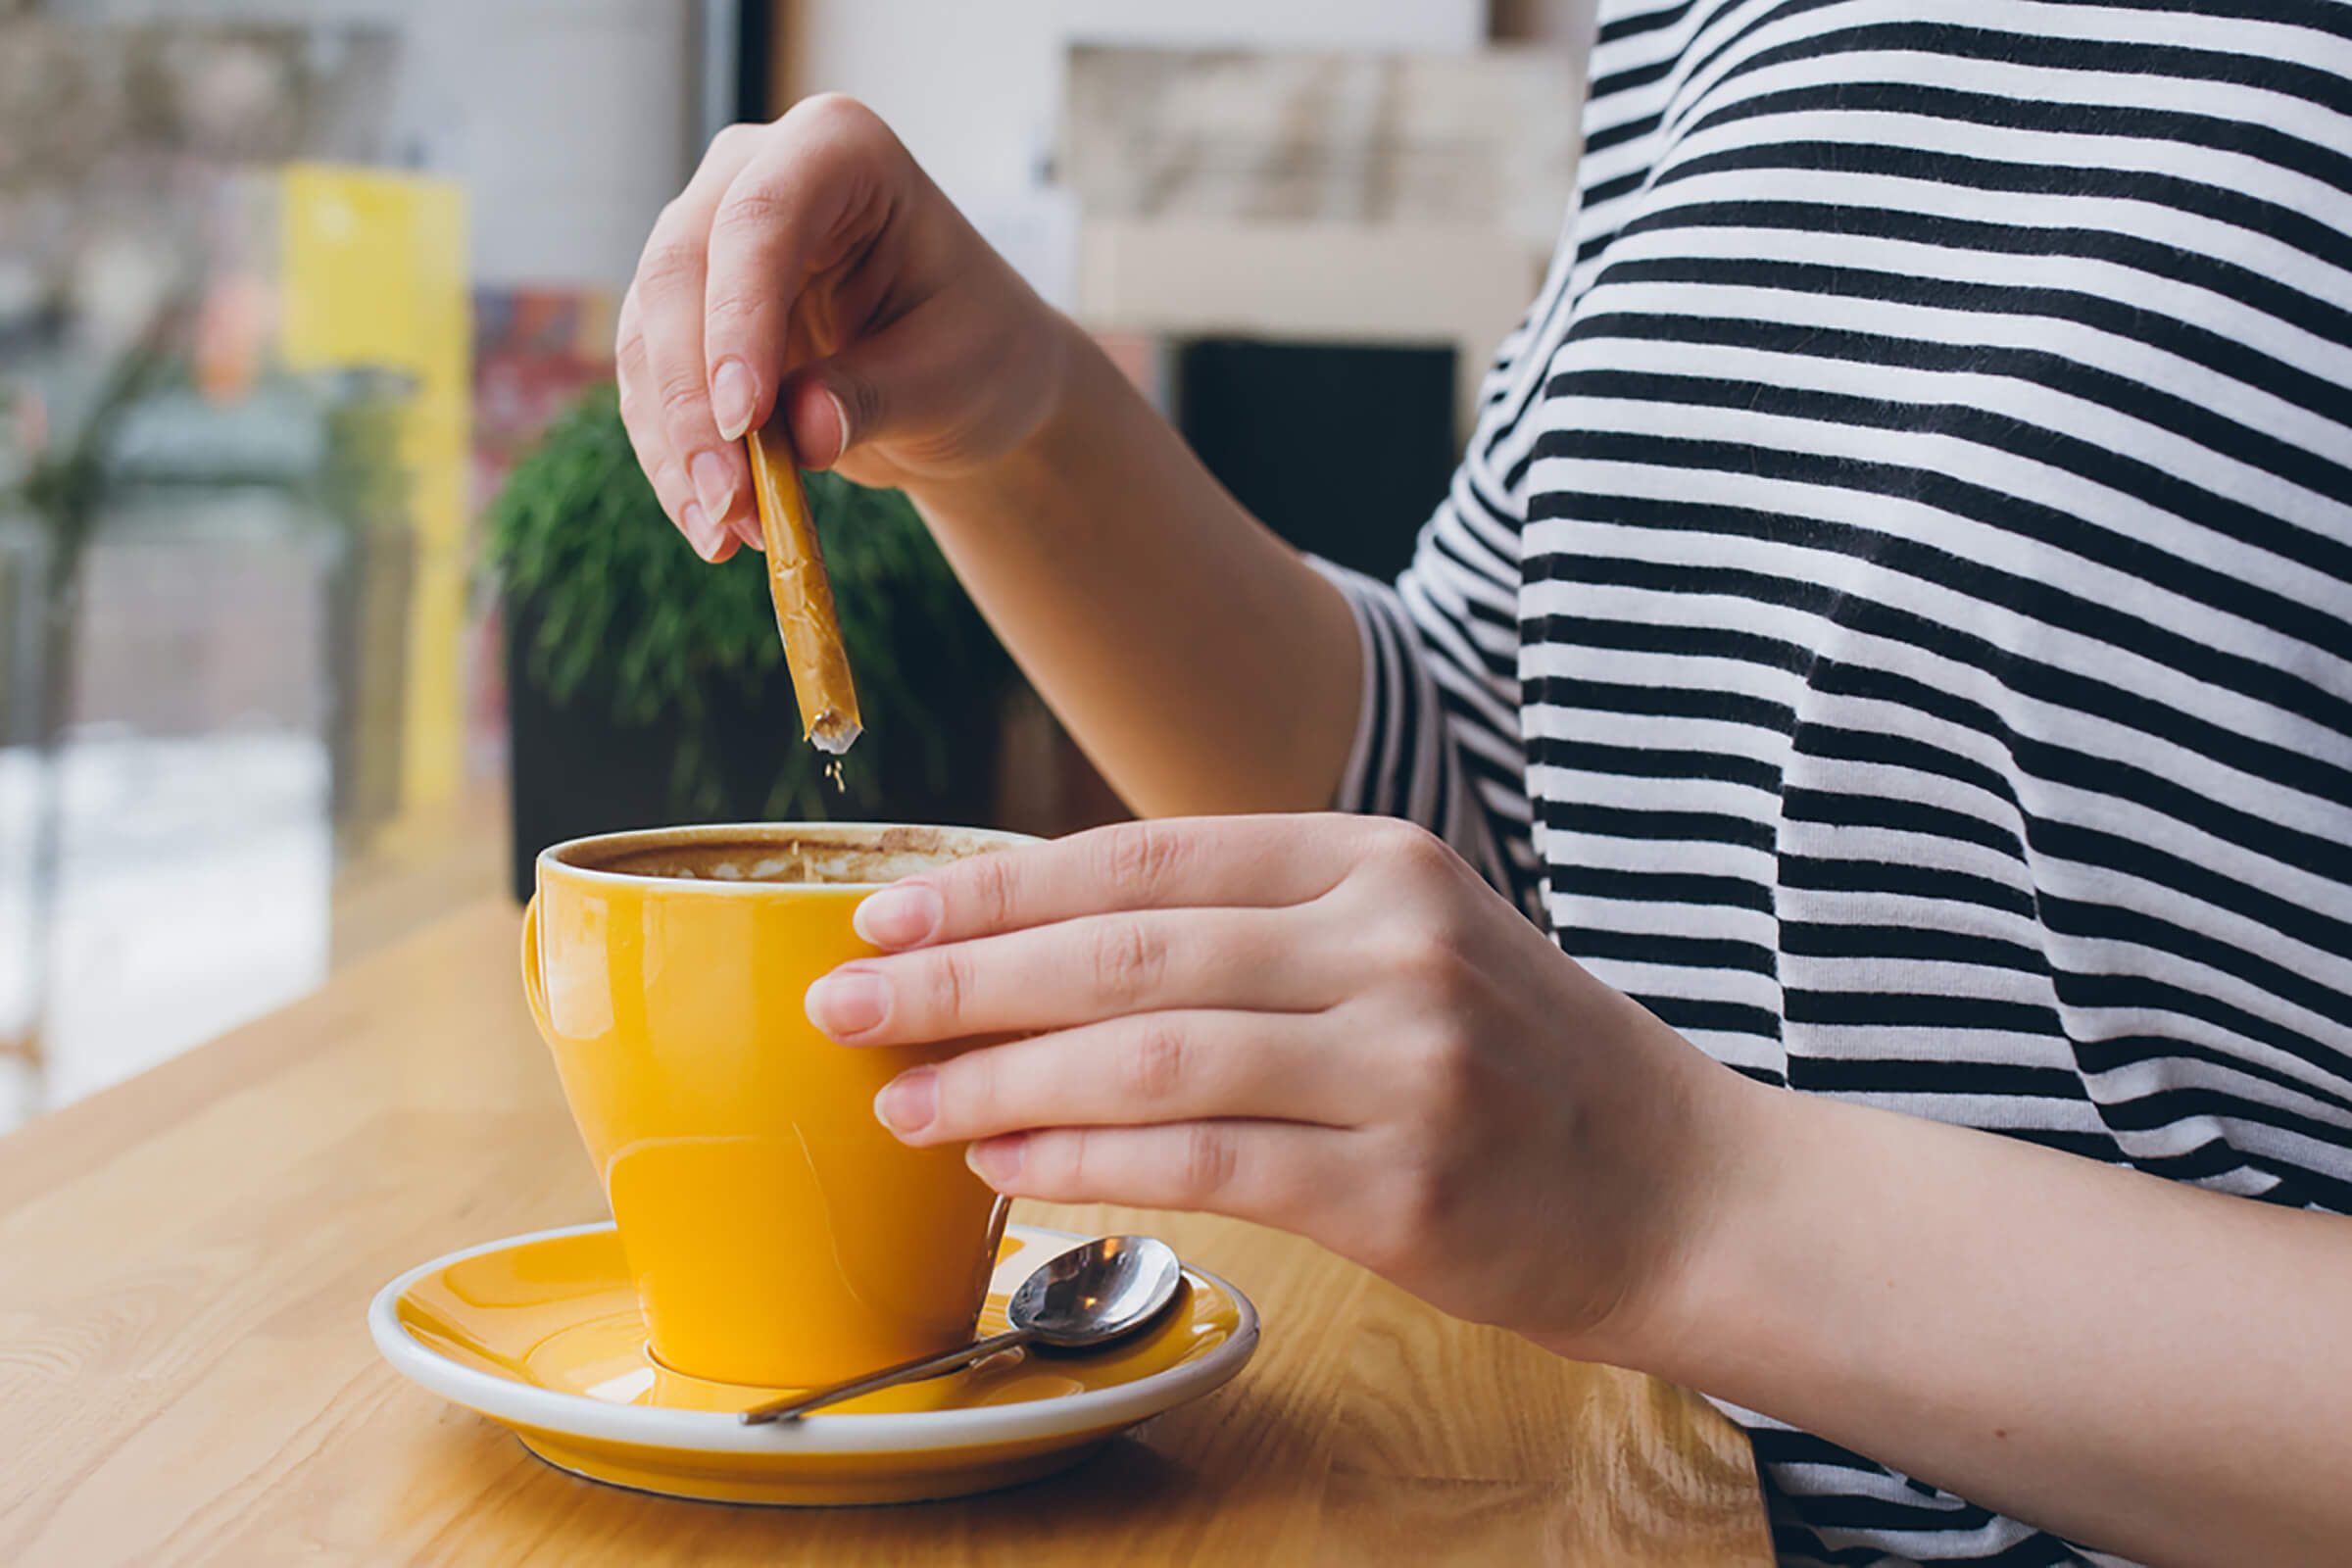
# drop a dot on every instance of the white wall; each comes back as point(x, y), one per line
point(975, 90)
point(1374, 25)
point(566, 120)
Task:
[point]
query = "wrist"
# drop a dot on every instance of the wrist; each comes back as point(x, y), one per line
point(1717, 1213)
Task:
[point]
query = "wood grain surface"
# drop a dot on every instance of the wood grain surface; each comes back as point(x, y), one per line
point(185, 1373)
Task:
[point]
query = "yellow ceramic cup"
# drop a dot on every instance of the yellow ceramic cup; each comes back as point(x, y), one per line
point(776, 1233)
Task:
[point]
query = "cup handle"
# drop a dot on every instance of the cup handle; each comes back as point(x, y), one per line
point(534, 979)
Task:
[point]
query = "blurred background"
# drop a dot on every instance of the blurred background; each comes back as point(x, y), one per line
point(328, 592)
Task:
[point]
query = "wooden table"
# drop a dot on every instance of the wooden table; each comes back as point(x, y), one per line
point(185, 1375)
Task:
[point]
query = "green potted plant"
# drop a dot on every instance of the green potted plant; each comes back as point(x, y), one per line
point(645, 687)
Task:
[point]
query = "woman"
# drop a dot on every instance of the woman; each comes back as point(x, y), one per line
point(1891, 629)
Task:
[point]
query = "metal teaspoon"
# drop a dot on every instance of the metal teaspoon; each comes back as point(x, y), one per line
point(1090, 1296)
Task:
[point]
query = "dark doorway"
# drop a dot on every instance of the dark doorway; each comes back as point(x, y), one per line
point(1343, 450)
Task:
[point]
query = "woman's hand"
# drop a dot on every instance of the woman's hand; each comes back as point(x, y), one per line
point(1323, 1023)
point(812, 265)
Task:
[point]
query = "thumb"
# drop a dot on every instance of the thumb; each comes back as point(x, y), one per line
point(816, 406)
point(920, 383)
point(872, 390)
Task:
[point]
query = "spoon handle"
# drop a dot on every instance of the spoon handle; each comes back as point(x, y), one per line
point(799, 1404)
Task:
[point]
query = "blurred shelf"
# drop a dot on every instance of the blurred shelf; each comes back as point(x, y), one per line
point(1308, 282)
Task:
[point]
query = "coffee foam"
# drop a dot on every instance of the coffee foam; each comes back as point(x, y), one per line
point(786, 855)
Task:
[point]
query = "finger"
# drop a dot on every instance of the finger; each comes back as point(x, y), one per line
point(712, 542)
point(1229, 862)
point(669, 287)
point(647, 436)
point(1079, 972)
point(814, 414)
point(816, 189)
point(650, 438)
point(1272, 1172)
point(1136, 1071)
point(886, 387)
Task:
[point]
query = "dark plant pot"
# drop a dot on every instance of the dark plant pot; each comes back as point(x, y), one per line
point(577, 770)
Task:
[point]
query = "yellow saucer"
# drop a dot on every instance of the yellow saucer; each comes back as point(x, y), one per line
point(542, 1334)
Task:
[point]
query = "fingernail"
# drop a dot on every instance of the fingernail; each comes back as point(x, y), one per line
point(713, 481)
point(899, 917)
point(731, 398)
point(841, 416)
point(997, 1162)
point(847, 1001)
point(908, 1102)
point(699, 533)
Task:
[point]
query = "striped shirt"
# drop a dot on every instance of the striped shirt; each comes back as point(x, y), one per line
point(1894, 614)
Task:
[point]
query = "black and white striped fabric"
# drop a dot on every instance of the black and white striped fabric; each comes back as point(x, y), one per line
point(1894, 616)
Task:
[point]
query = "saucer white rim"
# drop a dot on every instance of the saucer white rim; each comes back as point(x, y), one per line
point(575, 1415)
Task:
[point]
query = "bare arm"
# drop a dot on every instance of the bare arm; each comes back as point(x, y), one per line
point(2145, 1367)
point(812, 273)
point(1204, 665)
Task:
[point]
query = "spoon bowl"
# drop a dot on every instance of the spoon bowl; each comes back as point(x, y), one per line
point(1097, 1292)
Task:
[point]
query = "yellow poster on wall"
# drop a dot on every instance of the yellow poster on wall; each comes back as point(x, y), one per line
point(373, 275)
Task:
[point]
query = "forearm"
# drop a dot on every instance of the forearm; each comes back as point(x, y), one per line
point(2146, 1367)
point(1202, 663)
